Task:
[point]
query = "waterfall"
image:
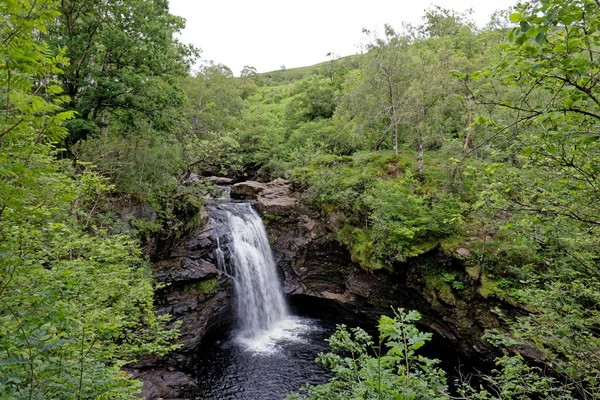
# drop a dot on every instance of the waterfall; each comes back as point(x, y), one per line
point(260, 305)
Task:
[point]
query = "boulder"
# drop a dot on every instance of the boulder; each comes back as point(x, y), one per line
point(247, 190)
point(271, 198)
point(219, 180)
point(463, 252)
point(165, 384)
point(276, 206)
point(277, 188)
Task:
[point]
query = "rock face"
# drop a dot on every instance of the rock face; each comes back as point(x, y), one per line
point(312, 263)
point(271, 198)
point(247, 190)
point(217, 180)
point(197, 296)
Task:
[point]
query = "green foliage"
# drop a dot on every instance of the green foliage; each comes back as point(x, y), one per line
point(214, 101)
point(313, 99)
point(74, 306)
point(391, 216)
point(440, 22)
point(75, 292)
point(76, 302)
point(543, 183)
point(392, 369)
point(123, 61)
point(404, 224)
point(515, 379)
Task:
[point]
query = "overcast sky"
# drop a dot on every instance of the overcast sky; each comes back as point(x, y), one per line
point(267, 34)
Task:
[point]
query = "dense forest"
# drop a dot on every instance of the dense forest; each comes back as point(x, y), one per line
point(443, 135)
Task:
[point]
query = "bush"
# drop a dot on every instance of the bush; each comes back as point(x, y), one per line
point(389, 370)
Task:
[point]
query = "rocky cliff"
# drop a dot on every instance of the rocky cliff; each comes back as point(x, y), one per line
point(198, 297)
point(313, 265)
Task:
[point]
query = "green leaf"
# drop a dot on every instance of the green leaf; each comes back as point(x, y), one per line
point(559, 48)
point(540, 38)
point(515, 17)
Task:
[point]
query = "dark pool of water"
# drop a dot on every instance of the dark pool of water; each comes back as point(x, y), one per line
point(232, 369)
point(229, 369)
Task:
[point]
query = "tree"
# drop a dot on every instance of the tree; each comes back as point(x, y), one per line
point(213, 109)
point(119, 52)
point(428, 88)
point(552, 188)
point(334, 70)
point(440, 22)
point(386, 74)
point(75, 297)
point(313, 99)
point(250, 80)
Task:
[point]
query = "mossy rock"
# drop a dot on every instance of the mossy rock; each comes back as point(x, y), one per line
point(204, 286)
point(488, 287)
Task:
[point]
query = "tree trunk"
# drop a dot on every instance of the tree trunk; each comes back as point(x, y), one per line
point(395, 138)
point(468, 139)
point(380, 142)
point(420, 155)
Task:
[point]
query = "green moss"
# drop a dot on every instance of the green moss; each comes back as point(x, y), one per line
point(440, 288)
point(361, 247)
point(488, 287)
point(405, 163)
point(270, 218)
point(204, 286)
point(451, 243)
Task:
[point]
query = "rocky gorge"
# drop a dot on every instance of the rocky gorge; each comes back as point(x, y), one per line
point(316, 270)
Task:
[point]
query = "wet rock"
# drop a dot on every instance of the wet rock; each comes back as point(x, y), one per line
point(165, 384)
point(276, 206)
point(202, 308)
point(197, 297)
point(183, 269)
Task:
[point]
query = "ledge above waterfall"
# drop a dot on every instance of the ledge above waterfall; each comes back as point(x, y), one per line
point(271, 198)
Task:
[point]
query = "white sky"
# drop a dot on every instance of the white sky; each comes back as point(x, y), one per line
point(267, 34)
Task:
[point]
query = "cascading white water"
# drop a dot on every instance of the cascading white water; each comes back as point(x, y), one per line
point(260, 300)
point(260, 305)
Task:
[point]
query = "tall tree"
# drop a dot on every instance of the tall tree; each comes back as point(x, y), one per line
point(440, 22)
point(75, 301)
point(386, 74)
point(119, 51)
